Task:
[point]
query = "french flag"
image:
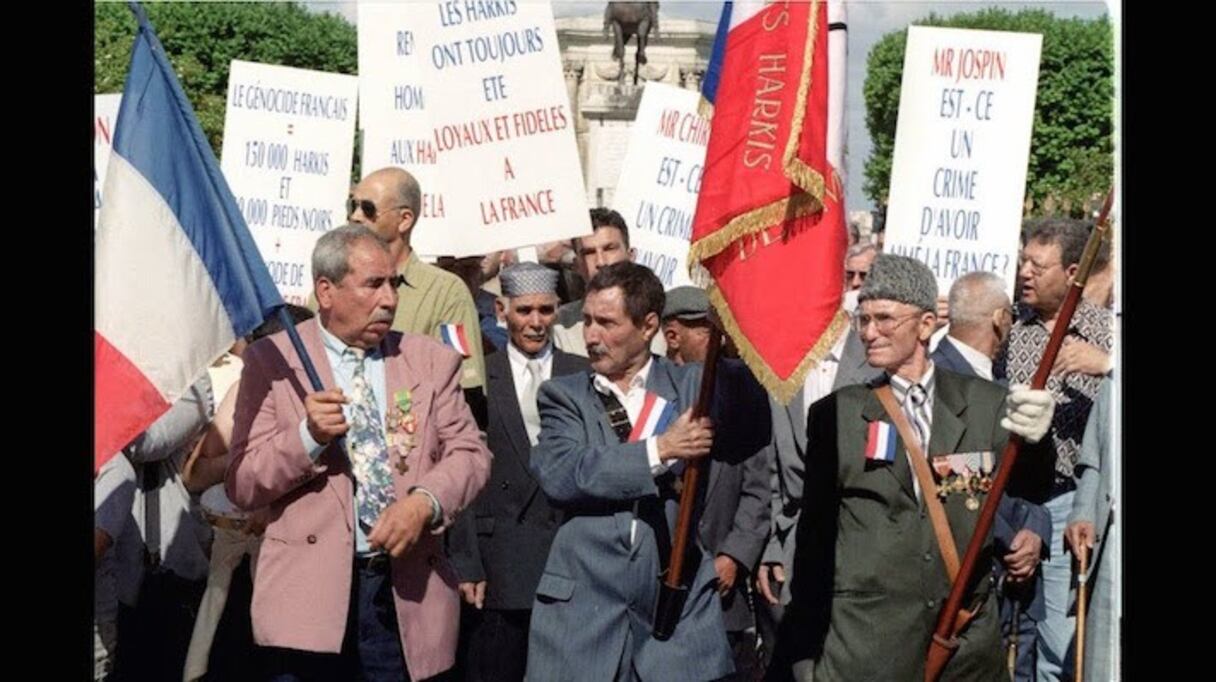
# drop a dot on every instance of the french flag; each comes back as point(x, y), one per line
point(177, 275)
point(453, 335)
point(880, 442)
point(657, 413)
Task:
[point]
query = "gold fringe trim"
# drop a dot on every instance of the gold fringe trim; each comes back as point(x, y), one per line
point(756, 220)
point(798, 172)
point(782, 389)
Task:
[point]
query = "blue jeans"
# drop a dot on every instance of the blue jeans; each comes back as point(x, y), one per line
point(371, 648)
point(1058, 630)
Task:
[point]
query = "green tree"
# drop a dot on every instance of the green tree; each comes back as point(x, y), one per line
point(1071, 163)
point(202, 38)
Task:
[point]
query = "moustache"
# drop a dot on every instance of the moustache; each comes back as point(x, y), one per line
point(382, 316)
point(597, 349)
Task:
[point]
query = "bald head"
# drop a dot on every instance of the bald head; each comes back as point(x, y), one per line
point(388, 201)
point(974, 298)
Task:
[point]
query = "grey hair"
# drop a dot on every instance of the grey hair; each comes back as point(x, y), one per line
point(859, 249)
point(331, 255)
point(975, 296)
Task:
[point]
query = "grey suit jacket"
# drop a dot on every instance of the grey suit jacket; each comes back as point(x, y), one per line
point(734, 516)
point(504, 539)
point(596, 599)
point(1095, 500)
point(787, 453)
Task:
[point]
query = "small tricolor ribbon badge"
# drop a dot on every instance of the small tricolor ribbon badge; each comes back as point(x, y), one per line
point(453, 335)
point(880, 442)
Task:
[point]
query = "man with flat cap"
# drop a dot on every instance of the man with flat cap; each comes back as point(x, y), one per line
point(896, 472)
point(734, 522)
point(499, 550)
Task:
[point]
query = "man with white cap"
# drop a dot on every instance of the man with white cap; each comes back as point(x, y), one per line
point(499, 550)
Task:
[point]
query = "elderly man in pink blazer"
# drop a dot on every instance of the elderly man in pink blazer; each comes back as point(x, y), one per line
point(360, 479)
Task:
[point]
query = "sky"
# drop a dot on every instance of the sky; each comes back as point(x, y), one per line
point(868, 21)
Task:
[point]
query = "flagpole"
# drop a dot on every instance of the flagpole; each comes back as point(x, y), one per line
point(672, 590)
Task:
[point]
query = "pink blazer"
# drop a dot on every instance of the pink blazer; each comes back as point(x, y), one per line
point(301, 592)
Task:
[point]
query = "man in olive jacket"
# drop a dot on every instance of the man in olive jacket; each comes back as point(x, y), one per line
point(869, 578)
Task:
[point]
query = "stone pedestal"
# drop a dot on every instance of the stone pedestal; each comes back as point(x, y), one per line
point(605, 104)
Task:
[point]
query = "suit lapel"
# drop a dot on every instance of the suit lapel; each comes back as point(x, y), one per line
point(501, 393)
point(948, 407)
point(310, 335)
point(872, 410)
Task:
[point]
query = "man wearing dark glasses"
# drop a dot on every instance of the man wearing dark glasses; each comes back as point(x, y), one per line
point(432, 301)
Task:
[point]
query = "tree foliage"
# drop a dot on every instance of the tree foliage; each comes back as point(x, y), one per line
point(1071, 159)
point(202, 38)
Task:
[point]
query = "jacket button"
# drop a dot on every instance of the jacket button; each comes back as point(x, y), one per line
point(928, 556)
point(506, 485)
point(312, 539)
point(930, 604)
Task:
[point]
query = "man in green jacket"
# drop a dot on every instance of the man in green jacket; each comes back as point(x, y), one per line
point(869, 577)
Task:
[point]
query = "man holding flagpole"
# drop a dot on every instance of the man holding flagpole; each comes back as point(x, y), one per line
point(612, 442)
point(896, 471)
point(360, 478)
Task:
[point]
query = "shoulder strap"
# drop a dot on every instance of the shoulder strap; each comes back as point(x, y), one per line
point(937, 513)
point(618, 416)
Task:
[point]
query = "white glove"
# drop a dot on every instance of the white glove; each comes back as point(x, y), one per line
point(1028, 413)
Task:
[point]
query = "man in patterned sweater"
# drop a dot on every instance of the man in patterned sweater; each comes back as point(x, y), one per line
point(1044, 473)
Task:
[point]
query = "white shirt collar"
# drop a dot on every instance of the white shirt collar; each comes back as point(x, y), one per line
point(982, 364)
point(518, 357)
point(926, 380)
point(603, 385)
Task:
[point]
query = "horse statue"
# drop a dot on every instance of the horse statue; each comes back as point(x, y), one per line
point(628, 19)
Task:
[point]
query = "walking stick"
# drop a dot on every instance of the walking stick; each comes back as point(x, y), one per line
point(1082, 582)
point(950, 621)
point(1012, 659)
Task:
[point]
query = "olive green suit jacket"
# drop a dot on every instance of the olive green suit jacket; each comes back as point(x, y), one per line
point(869, 579)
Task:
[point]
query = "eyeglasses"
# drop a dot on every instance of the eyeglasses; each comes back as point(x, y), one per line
point(886, 323)
point(1036, 269)
point(368, 208)
point(850, 274)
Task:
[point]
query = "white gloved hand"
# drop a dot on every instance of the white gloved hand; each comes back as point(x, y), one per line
point(1028, 413)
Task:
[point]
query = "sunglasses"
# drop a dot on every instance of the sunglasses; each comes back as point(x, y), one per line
point(365, 205)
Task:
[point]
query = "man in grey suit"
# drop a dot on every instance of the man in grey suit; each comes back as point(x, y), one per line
point(499, 550)
point(844, 365)
point(608, 442)
point(870, 573)
point(735, 522)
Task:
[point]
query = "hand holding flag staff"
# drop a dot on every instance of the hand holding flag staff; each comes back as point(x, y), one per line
point(177, 276)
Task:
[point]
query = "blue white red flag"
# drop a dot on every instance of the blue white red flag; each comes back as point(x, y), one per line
point(453, 335)
point(177, 275)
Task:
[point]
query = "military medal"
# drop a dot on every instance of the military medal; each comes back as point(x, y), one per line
point(402, 425)
point(401, 465)
point(972, 503)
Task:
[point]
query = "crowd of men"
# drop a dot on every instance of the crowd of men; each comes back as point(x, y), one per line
point(487, 485)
